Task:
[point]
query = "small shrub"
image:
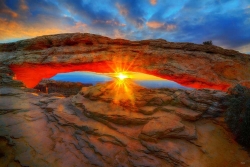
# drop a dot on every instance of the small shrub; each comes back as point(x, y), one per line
point(208, 43)
point(238, 114)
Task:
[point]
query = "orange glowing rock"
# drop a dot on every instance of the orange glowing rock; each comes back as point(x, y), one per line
point(32, 74)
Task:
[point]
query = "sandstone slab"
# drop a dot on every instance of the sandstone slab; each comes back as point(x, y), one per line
point(161, 127)
point(188, 114)
point(148, 110)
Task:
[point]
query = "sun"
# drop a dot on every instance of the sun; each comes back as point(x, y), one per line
point(122, 86)
point(121, 76)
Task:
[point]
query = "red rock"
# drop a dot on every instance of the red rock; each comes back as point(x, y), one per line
point(163, 126)
point(79, 131)
point(188, 114)
point(90, 129)
point(148, 110)
point(218, 68)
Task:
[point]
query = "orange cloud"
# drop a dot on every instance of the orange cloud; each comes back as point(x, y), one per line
point(79, 26)
point(23, 5)
point(244, 48)
point(170, 27)
point(154, 24)
point(123, 11)
point(5, 10)
point(159, 25)
point(153, 2)
point(9, 12)
point(12, 30)
point(110, 22)
point(118, 34)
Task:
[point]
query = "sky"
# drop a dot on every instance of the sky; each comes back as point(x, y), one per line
point(225, 22)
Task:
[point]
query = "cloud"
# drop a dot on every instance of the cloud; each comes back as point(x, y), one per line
point(170, 27)
point(108, 22)
point(13, 29)
point(155, 24)
point(6, 11)
point(153, 2)
point(229, 31)
point(123, 11)
point(9, 12)
point(162, 26)
point(118, 34)
point(132, 12)
point(79, 27)
point(43, 8)
point(244, 48)
point(23, 5)
point(226, 23)
point(88, 11)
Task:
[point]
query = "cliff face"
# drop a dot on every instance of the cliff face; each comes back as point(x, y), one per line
point(200, 66)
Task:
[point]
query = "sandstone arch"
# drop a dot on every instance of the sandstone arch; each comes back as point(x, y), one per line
point(199, 66)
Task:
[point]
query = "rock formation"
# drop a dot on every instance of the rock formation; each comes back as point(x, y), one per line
point(107, 125)
point(159, 127)
point(65, 88)
point(199, 66)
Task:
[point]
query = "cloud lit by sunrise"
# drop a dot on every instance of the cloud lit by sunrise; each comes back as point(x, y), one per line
point(158, 25)
point(153, 2)
point(190, 21)
point(154, 24)
point(23, 5)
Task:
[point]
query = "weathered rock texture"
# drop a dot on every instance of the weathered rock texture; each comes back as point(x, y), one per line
point(93, 129)
point(107, 125)
point(65, 88)
point(190, 64)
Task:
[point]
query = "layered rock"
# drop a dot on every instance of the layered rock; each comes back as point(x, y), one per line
point(91, 129)
point(7, 77)
point(192, 104)
point(107, 125)
point(200, 66)
point(65, 88)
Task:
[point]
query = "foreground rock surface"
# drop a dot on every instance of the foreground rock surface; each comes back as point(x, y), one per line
point(107, 125)
point(93, 129)
point(65, 88)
